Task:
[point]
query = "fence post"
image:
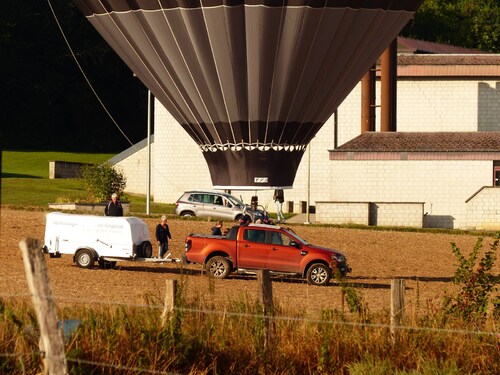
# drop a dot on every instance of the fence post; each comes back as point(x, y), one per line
point(397, 303)
point(51, 338)
point(171, 289)
point(266, 288)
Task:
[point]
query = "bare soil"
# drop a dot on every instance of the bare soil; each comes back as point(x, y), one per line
point(424, 260)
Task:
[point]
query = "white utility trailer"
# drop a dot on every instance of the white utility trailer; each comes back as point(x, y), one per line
point(104, 239)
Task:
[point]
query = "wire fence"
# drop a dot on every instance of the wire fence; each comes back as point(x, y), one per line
point(226, 313)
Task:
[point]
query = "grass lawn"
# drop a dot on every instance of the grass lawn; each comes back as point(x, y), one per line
point(25, 181)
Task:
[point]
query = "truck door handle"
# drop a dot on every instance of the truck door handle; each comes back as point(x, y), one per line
point(246, 245)
point(274, 249)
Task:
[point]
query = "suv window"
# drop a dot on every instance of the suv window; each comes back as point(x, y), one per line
point(216, 199)
point(201, 198)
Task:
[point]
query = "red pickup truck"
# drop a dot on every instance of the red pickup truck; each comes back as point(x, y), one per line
point(261, 246)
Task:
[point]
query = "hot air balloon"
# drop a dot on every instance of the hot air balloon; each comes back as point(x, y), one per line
point(251, 81)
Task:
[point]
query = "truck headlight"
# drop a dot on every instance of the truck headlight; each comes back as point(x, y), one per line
point(338, 258)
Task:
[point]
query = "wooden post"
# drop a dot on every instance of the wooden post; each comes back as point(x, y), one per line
point(51, 338)
point(397, 303)
point(171, 289)
point(266, 288)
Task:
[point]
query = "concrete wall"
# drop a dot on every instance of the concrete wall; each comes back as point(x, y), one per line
point(404, 214)
point(86, 207)
point(399, 214)
point(483, 209)
point(443, 185)
point(65, 169)
point(343, 212)
point(133, 163)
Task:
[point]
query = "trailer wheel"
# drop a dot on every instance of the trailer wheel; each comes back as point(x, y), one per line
point(84, 258)
point(147, 249)
point(218, 267)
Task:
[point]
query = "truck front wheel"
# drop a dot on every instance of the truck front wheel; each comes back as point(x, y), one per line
point(218, 267)
point(84, 258)
point(318, 274)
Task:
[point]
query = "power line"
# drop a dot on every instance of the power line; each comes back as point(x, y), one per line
point(134, 147)
point(85, 76)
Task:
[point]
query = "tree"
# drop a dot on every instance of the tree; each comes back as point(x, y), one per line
point(465, 23)
point(102, 180)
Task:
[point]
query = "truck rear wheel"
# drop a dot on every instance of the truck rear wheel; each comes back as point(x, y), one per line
point(218, 267)
point(84, 258)
point(318, 274)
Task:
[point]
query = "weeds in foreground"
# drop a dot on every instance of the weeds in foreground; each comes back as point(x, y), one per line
point(126, 339)
point(478, 284)
point(196, 338)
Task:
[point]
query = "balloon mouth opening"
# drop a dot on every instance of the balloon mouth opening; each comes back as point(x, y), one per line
point(252, 146)
point(247, 168)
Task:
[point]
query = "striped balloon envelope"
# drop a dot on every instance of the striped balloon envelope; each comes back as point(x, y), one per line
point(251, 81)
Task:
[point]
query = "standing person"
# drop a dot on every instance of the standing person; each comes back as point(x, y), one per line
point(162, 236)
point(114, 207)
point(217, 228)
point(279, 198)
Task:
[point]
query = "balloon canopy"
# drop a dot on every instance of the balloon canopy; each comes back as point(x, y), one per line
point(251, 81)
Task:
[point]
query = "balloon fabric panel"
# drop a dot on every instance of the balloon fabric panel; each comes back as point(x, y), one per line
point(251, 81)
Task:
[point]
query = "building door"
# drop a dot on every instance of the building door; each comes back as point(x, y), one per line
point(496, 175)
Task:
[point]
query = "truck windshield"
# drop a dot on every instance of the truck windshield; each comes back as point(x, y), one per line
point(236, 202)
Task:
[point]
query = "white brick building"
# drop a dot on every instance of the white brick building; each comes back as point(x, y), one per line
point(453, 93)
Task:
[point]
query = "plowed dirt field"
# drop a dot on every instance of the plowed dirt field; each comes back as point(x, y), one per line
point(425, 261)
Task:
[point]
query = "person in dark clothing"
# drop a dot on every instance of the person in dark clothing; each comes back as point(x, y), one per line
point(217, 229)
point(245, 220)
point(162, 236)
point(114, 207)
point(279, 198)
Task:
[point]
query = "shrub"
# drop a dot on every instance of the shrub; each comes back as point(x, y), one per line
point(477, 282)
point(102, 180)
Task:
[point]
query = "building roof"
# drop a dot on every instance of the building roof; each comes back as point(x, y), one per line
point(414, 46)
point(483, 59)
point(423, 142)
point(418, 58)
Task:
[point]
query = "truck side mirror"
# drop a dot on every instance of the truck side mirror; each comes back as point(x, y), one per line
point(295, 244)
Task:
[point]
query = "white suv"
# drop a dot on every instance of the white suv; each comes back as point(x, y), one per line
point(213, 204)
